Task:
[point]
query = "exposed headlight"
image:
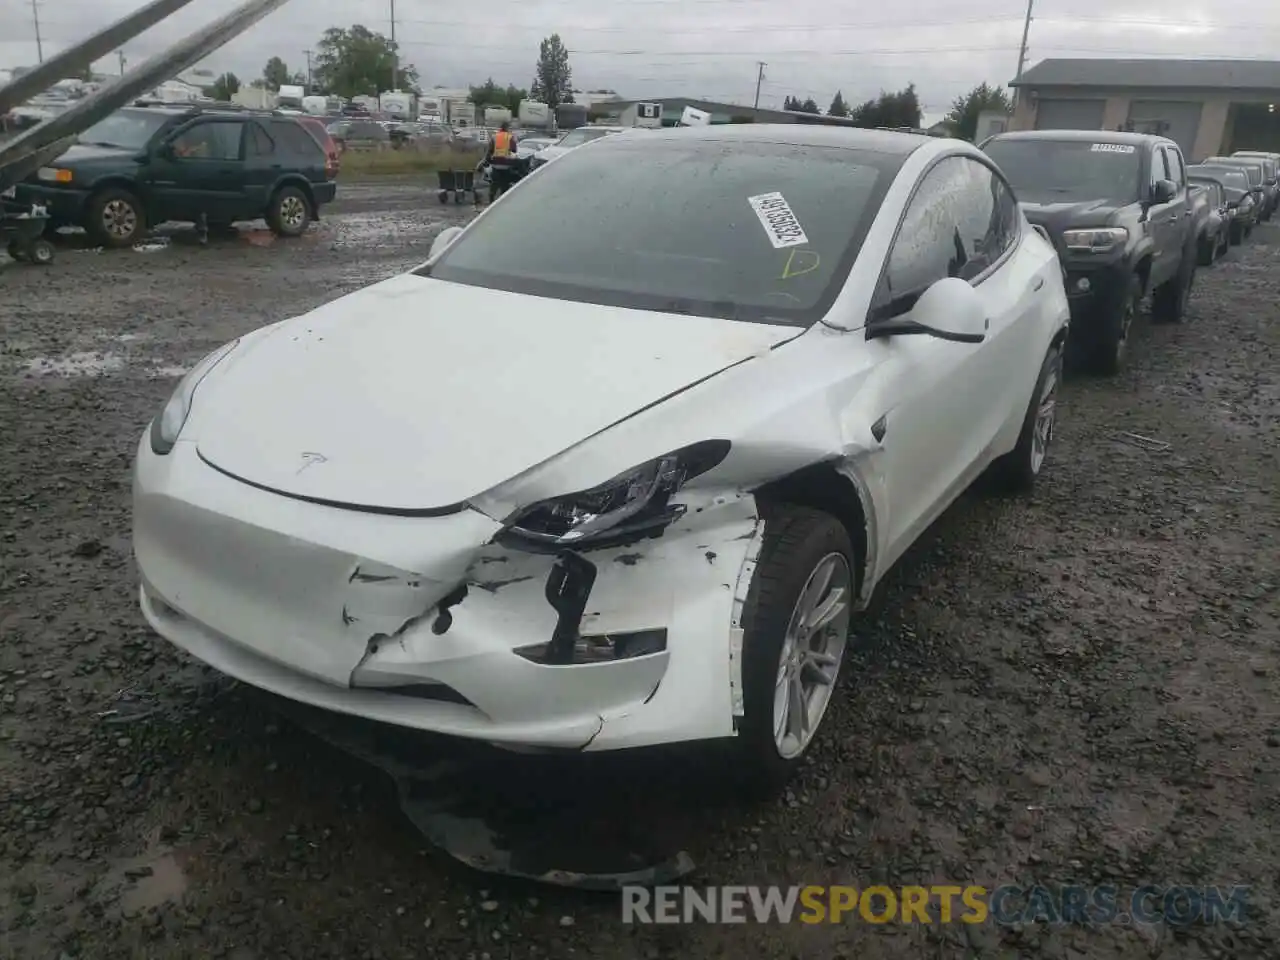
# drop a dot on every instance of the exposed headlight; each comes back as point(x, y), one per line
point(1094, 240)
point(166, 427)
point(54, 175)
point(633, 504)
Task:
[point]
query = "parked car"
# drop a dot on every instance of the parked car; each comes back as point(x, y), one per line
point(760, 399)
point(355, 132)
point(530, 146)
point(1211, 218)
point(1264, 194)
point(1270, 172)
point(1241, 204)
point(318, 129)
point(142, 166)
point(1116, 205)
point(574, 138)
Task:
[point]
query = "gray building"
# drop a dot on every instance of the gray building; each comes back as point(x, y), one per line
point(1207, 106)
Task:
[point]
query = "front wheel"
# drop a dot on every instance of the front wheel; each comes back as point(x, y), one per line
point(1018, 470)
point(1170, 301)
point(115, 218)
point(290, 213)
point(795, 629)
point(41, 252)
point(1108, 343)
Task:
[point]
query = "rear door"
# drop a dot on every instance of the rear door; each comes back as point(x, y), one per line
point(261, 169)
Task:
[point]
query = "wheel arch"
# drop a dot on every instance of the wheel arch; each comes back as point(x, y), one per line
point(832, 487)
point(294, 180)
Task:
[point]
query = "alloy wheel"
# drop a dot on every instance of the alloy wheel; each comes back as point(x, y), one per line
point(811, 654)
point(1046, 419)
point(293, 212)
point(119, 219)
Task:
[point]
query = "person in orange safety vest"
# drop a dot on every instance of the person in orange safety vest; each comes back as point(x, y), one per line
point(501, 160)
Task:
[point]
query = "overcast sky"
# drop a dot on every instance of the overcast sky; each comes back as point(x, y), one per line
point(701, 48)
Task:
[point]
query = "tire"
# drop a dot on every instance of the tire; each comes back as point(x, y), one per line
point(1206, 250)
point(442, 196)
point(1109, 345)
point(289, 213)
point(115, 218)
point(1018, 470)
point(41, 252)
point(16, 250)
point(799, 542)
point(1235, 234)
point(1170, 299)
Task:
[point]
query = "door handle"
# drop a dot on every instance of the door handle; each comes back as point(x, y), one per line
point(1039, 283)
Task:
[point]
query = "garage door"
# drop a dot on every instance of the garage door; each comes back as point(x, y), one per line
point(1070, 114)
point(1177, 120)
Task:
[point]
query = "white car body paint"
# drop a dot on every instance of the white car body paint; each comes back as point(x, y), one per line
point(322, 603)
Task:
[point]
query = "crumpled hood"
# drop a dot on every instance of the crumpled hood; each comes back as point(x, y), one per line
point(416, 394)
point(1056, 217)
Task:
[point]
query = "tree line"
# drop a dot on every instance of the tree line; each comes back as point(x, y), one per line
point(902, 109)
point(351, 61)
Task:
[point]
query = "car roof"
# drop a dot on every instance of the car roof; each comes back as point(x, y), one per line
point(800, 135)
point(1087, 136)
point(1217, 167)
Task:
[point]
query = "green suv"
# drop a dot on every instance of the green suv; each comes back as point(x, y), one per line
point(144, 165)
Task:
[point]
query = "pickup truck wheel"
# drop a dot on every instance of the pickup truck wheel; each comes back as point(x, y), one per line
point(1110, 344)
point(1017, 471)
point(795, 629)
point(115, 218)
point(1170, 300)
point(1206, 250)
point(290, 212)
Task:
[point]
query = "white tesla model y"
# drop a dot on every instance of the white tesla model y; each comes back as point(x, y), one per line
point(617, 465)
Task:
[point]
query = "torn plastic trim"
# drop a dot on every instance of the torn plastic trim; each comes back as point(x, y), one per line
point(851, 468)
point(737, 632)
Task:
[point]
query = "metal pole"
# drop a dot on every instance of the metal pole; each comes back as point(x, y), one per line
point(35, 17)
point(760, 65)
point(395, 56)
point(120, 54)
point(1022, 48)
point(18, 155)
point(71, 61)
point(307, 53)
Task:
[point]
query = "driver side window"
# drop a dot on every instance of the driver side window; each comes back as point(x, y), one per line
point(956, 225)
point(210, 141)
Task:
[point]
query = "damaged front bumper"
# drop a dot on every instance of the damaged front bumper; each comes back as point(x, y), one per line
point(367, 614)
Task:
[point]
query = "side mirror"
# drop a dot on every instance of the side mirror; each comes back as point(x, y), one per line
point(442, 240)
point(950, 309)
point(1163, 191)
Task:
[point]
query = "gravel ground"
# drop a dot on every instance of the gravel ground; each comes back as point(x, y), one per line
point(1079, 687)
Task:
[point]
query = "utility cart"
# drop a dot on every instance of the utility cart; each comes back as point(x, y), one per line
point(22, 233)
point(459, 183)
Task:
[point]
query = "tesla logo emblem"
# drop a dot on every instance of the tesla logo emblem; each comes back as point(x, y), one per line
point(311, 459)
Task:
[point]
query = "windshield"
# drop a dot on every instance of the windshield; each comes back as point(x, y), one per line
point(127, 129)
point(576, 138)
point(733, 229)
point(1068, 171)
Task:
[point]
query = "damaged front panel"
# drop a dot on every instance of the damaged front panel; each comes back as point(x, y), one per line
point(428, 623)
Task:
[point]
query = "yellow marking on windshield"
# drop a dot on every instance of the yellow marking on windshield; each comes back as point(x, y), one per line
point(800, 262)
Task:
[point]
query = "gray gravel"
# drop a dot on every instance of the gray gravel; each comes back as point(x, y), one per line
point(1078, 687)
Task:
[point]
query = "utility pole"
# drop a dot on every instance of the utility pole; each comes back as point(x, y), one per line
point(760, 65)
point(120, 56)
point(1022, 49)
point(35, 18)
point(395, 56)
point(307, 54)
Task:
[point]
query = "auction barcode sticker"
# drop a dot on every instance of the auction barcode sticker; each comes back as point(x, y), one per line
point(1114, 148)
point(780, 224)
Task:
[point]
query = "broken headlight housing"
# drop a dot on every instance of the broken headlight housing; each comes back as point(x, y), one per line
point(1095, 240)
point(633, 505)
point(166, 427)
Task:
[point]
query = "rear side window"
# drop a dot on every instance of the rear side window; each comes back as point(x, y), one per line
point(295, 140)
point(259, 142)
